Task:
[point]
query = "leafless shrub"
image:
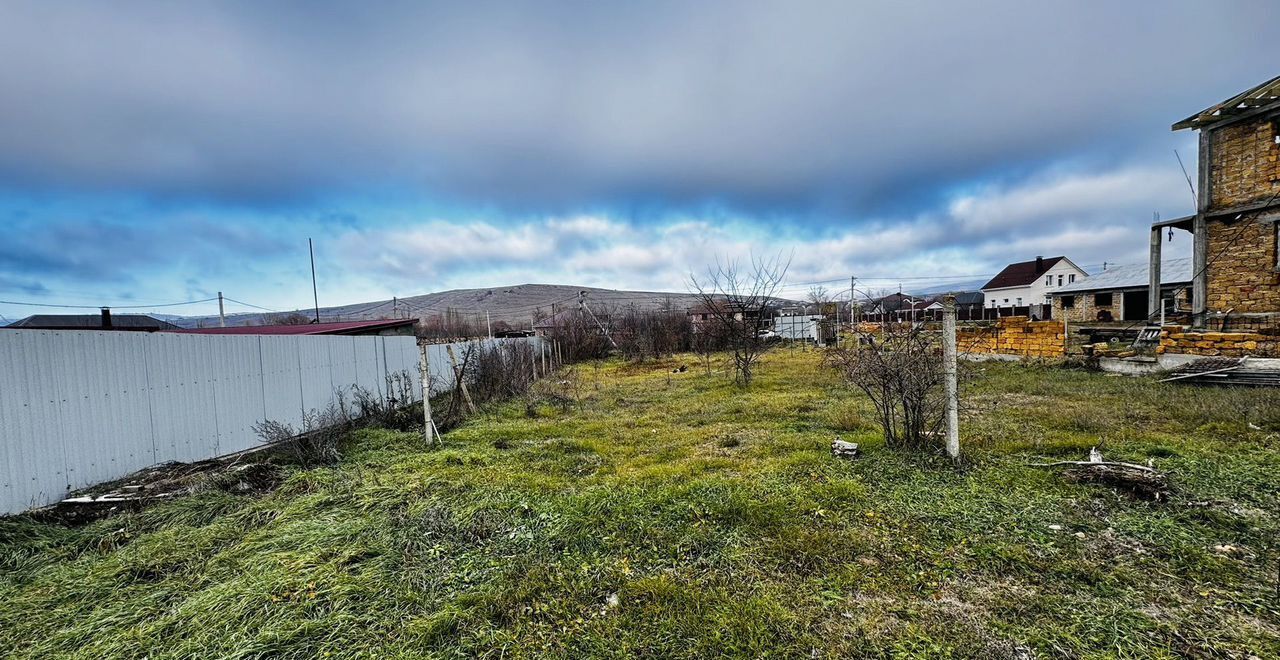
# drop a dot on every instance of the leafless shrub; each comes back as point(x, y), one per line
point(738, 303)
point(503, 370)
point(290, 318)
point(317, 442)
point(490, 371)
point(452, 324)
point(580, 336)
point(900, 369)
point(643, 335)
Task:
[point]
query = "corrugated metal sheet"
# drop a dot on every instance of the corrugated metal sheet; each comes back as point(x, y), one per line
point(83, 407)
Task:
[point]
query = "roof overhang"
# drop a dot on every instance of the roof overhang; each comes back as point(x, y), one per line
point(1131, 287)
point(1184, 223)
point(1257, 100)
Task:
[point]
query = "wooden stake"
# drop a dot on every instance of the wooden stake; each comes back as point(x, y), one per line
point(460, 380)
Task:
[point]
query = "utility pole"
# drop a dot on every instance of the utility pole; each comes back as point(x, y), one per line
point(837, 320)
point(950, 368)
point(314, 292)
point(222, 315)
point(853, 296)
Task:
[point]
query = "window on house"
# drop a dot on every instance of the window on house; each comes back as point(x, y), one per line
point(1059, 280)
point(1019, 302)
point(1071, 278)
point(1048, 281)
point(1048, 300)
point(1006, 301)
point(1068, 302)
point(1102, 299)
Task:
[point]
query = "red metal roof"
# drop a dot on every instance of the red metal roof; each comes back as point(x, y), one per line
point(335, 328)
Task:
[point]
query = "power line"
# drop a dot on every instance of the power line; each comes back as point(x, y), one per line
point(241, 302)
point(173, 304)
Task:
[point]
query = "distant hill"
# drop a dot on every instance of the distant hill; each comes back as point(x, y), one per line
point(515, 305)
point(970, 285)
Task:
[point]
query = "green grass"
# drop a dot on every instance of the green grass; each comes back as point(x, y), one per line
point(677, 515)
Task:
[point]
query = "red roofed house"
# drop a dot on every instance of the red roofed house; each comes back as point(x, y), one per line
point(1028, 283)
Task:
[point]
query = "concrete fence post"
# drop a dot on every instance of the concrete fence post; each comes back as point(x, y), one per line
point(950, 369)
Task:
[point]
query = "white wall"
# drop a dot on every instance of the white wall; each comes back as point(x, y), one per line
point(82, 407)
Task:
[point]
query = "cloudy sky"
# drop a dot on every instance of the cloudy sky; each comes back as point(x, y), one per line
point(160, 152)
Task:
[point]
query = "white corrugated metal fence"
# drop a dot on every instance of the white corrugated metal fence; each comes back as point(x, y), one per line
point(82, 407)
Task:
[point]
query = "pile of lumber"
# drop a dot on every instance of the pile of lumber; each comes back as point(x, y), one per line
point(1245, 371)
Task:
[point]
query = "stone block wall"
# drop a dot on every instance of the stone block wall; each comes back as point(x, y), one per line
point(1243, 274)
point(1244, 163)
point(1014, 335)
point(1178, 340)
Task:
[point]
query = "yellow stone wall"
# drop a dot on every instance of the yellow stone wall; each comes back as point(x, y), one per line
point(1243, 276)
point(1228, 344)
point(1014, 335)
point(1244, 163)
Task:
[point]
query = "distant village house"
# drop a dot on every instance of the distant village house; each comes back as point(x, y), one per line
point(1024, 287)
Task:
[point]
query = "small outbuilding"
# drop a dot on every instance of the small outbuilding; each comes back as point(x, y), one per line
point(1120, 294)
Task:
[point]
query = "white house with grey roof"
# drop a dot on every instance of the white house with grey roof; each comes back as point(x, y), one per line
point(1120, 294)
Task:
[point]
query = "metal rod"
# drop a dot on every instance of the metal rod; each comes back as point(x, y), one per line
point(314, 292)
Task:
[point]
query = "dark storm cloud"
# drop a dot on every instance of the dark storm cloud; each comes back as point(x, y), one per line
point(822, 108)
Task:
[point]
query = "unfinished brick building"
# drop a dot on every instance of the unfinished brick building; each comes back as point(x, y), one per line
point(1236, 246)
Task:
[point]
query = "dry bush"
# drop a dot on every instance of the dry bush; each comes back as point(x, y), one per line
point(644, 335)
point(580, 337)
point(492, 371)
point(317, 442)
point(452, 324)
point(900, 369)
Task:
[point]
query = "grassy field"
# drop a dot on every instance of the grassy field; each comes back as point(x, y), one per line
point(672, 514)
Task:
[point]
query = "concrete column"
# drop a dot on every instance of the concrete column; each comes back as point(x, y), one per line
point(1153, 274)
point(1200, 236)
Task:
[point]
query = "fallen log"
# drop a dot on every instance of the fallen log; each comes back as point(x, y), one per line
point(1142, 481)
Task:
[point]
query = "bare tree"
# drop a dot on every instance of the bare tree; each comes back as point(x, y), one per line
point(739, 305)
point(819, 297)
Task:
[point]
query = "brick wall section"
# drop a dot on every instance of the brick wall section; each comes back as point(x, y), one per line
point(1086, 311)
point(1243, 277)
point(1014, 336)
point(1229, 344)
point(1245, 163)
